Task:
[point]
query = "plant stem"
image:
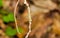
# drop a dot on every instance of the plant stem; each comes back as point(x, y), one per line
point(15, 16)
point(25, 2)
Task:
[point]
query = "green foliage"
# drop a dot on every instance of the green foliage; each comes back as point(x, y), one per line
point(8, 18)
point(11, 17)
point(1, 3)
point(5, 19)
point(10, 32)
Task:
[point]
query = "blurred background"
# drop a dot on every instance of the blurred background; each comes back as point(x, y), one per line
point(45, 19)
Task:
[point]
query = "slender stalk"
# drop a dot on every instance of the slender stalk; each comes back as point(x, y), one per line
point(25, 2)
point(15, 16)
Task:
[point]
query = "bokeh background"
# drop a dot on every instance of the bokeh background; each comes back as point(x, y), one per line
point(45, 19)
